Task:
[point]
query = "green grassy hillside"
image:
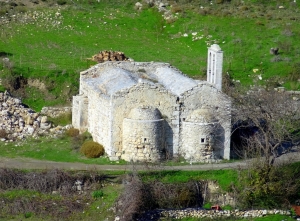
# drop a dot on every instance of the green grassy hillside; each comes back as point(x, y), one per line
point(52, 43)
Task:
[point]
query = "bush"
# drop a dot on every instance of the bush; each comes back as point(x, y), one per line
point(72, 132)
point(92, 149)
point(207, 206)
point(97, 194)
point(3, 133)
point(28, 215)
point(139, 196)
point(61, 2)
point(176, 9)
point(268, 186)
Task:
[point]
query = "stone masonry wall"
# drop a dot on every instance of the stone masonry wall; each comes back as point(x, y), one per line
point(143, 140)
point(147, 95)
point(99, 119)
point(79, 112)
point(111, 100)
point(195, 146)
point(207, 96)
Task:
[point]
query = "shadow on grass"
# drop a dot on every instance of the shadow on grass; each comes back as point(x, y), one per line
point(5, 54)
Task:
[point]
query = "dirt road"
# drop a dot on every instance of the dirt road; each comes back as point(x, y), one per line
point(28, 163)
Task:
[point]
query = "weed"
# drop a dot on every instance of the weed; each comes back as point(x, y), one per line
point(227, 207)
point(97, 194)
point(61, 2)
point(28, 215)
point(207, 206)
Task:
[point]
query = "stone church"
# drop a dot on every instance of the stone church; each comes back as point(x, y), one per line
point(150, 111)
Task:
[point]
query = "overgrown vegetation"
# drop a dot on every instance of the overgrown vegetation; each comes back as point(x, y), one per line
point(139, 197)
point(57, 41)
point(43, 194)
point(268, 186)
point(265, 126)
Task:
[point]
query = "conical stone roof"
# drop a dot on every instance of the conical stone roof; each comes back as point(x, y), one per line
point(145, 113)
point(202, 116)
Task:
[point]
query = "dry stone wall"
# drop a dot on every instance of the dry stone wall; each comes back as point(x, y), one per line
point(56, 111)
point(214, 214)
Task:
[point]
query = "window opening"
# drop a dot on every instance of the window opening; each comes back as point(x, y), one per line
point(144, 140)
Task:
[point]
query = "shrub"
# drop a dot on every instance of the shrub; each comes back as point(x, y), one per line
point(61, 2)
point(72, 132)
point(21, 9)
point(262, 186)
point(207, 206)
point(92, 149)
point(28, 215)
point(97, 194)
point(176, 8)
point(3, 133)
point(139, 196)
point(294, 74)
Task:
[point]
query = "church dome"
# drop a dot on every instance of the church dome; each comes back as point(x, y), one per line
point(201, 116)
point(145, 113)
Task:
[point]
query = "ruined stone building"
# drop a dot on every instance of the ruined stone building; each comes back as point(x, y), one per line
point(149, 111)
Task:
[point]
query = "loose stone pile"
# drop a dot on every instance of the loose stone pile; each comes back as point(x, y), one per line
point(103, 56)
point(202, 213)
point(162, 7)
point(20, 122)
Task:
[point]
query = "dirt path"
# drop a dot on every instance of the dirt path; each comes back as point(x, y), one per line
point(28, 163)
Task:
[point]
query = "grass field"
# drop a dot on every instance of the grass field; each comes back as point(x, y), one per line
point(52, 149)
point(53, 44)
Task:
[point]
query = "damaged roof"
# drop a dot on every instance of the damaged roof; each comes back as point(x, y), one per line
point(111, 77)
